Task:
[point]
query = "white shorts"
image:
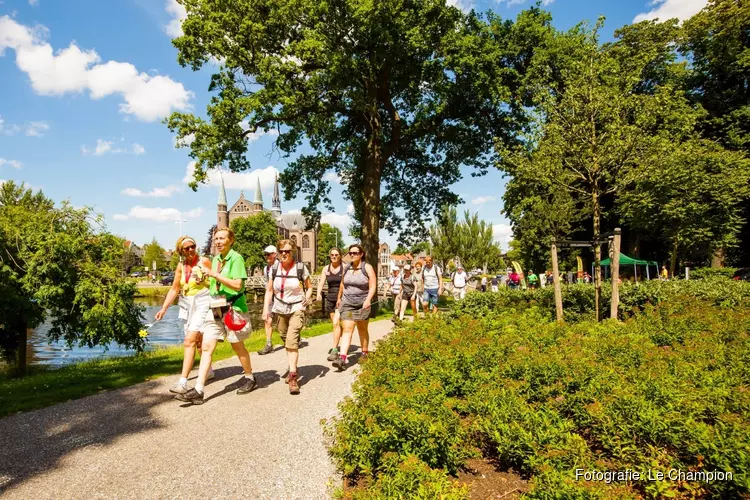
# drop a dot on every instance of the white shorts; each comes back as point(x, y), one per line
point(214, 329)
point(194, 309)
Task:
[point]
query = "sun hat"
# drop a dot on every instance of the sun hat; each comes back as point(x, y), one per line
point(407, 267)
point(270, 249)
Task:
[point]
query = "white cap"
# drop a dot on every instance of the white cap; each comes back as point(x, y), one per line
point(270, 249)
point(407, 267)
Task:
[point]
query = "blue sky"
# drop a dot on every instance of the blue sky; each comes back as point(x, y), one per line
point(85, 84)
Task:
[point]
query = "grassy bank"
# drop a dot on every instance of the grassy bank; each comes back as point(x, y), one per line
point(499, 381)
point(44, 387)
point(152, 291)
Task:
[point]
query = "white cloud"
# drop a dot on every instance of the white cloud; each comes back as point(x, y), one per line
point(73, 70)
point(254, 136)
point(502, 234)
point(340, 221)
point(32, 129)
point(350, 208)
point(332, 177)
point(165, 192)
point(668, 9)
point(238, 180)
point(547, 2)
point(294, 212)
point(464, 5)
point(481, 200)
point(103, 147)
point(158, 214)
point(33, 3)
point(11, 163)
point(184, 142)
point(178, 14)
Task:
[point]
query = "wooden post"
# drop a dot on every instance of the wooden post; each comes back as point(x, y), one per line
point(556, 283)
point(614, 267)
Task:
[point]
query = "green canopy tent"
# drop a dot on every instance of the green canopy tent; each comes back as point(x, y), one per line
point(625, 260)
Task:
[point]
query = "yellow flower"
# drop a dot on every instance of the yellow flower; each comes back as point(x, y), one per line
point(143, 334)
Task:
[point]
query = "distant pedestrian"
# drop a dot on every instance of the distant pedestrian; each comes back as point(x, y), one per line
point(191, 285)
point(533, 280)
point(432, 283)
point(417, 277)
point(483, 283)
point(331, 276)
point(459, 278)
point(514, 280)
point(664, 273)
point(494, 283)
point(290, 292)
point(408, 293)
point(270, 254)
point(394, 283)
point(359, 286)
point(228, 274)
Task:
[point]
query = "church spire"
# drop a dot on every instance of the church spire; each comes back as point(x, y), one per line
point(276, 204)
point(222, 216)
point(258, 195)
point(222, 192)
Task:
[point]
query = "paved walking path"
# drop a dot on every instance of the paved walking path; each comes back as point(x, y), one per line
point(138, 442)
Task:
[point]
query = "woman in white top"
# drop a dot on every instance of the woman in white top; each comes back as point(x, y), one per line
point(291, 290)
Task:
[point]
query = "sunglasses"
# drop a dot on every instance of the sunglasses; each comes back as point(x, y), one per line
point(285, 252)
point(355, 253)
point(189, 247)
point(267, 254)
point(334, 255)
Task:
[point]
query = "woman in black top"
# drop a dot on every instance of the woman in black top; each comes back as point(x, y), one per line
point(332, 275)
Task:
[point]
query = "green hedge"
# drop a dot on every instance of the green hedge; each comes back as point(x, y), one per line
point(667, 389)
point(578, 299)
point(712, 272)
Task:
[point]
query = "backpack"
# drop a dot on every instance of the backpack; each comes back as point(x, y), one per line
point(300, 273)
point(347, 266)
point(437, 272)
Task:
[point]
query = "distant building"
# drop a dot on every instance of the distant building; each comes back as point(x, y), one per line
point(384, 260)
point(133, 255)
point(288, 226)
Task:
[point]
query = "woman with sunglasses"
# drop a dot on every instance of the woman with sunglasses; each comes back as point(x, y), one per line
point(332, 275)
point(290, 291)
point(358, 287)
point(191, 285)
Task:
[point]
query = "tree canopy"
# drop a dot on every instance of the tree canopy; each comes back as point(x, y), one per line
point(328, 237)
point(154, 252)
point(58, 264)
point(385, 93)
point(470, 240)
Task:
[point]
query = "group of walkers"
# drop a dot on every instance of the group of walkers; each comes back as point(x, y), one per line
point(418, 289)
point(212, 304)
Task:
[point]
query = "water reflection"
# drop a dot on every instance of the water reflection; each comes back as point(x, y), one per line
point(167, 332)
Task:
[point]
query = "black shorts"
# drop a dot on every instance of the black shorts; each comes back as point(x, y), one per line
point(330, 304)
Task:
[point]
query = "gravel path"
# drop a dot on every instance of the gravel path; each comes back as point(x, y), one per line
point(138, 442)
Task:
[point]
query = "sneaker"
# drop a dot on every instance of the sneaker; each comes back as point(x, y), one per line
point(191, 396)
point(339, 364)
point(249, 385)
point(266, 350)
point(178, 388)
point(333, 354)
point(293, 385)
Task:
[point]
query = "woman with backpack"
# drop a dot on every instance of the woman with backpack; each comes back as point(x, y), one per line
point(291, 290)
point(358, 287)
point(407, 294)
point(331, 275)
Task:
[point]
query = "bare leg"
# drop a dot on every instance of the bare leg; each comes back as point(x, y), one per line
point(243, 355)
point(293, 357)
point(207, 351)
point(364, 335)
point(191, 340)
point(414, 310)
point(347, 328)
point(269, 328)
point(336, 331)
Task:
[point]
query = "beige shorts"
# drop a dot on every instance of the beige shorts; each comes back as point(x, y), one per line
point(290, 328)
point(214, 329)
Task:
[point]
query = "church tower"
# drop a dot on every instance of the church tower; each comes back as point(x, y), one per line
point(222, 216)
point(258, 201)
point(276, 203)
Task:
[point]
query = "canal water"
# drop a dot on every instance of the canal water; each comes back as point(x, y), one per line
point(165, 333)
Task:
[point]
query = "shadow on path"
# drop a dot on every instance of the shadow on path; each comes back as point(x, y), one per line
point(35, 442)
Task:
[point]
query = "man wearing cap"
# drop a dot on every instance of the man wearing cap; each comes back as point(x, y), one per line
point(459, 280)
point(270, 254)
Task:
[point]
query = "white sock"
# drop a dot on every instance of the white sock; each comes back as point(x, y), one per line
point(199, 388)
point(183, 381)
point(249, 376)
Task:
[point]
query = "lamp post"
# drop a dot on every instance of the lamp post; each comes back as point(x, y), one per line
point(179, 221)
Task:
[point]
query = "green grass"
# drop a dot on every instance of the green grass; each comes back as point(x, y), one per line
point(152, 291)
point(44, 387)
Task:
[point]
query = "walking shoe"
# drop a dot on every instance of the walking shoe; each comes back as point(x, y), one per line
point(333, 354)
point(178, 388)
point(249, 385)
point(339, 364)
point(293, 385)
point(267, 349)
point(191, 396)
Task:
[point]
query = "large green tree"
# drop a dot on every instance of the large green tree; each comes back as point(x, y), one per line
point(328, 237)
point(57, 264)
point(154, 252)
point(470, 240)
point(252, 235)
point(382, 92)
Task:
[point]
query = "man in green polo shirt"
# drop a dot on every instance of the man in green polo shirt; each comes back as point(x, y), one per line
point(228, 275)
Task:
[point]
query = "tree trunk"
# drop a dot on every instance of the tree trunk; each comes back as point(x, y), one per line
point(673, 261)
point(597, 255)
point(23, 335)
point(718, 257)
point(371, 205)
